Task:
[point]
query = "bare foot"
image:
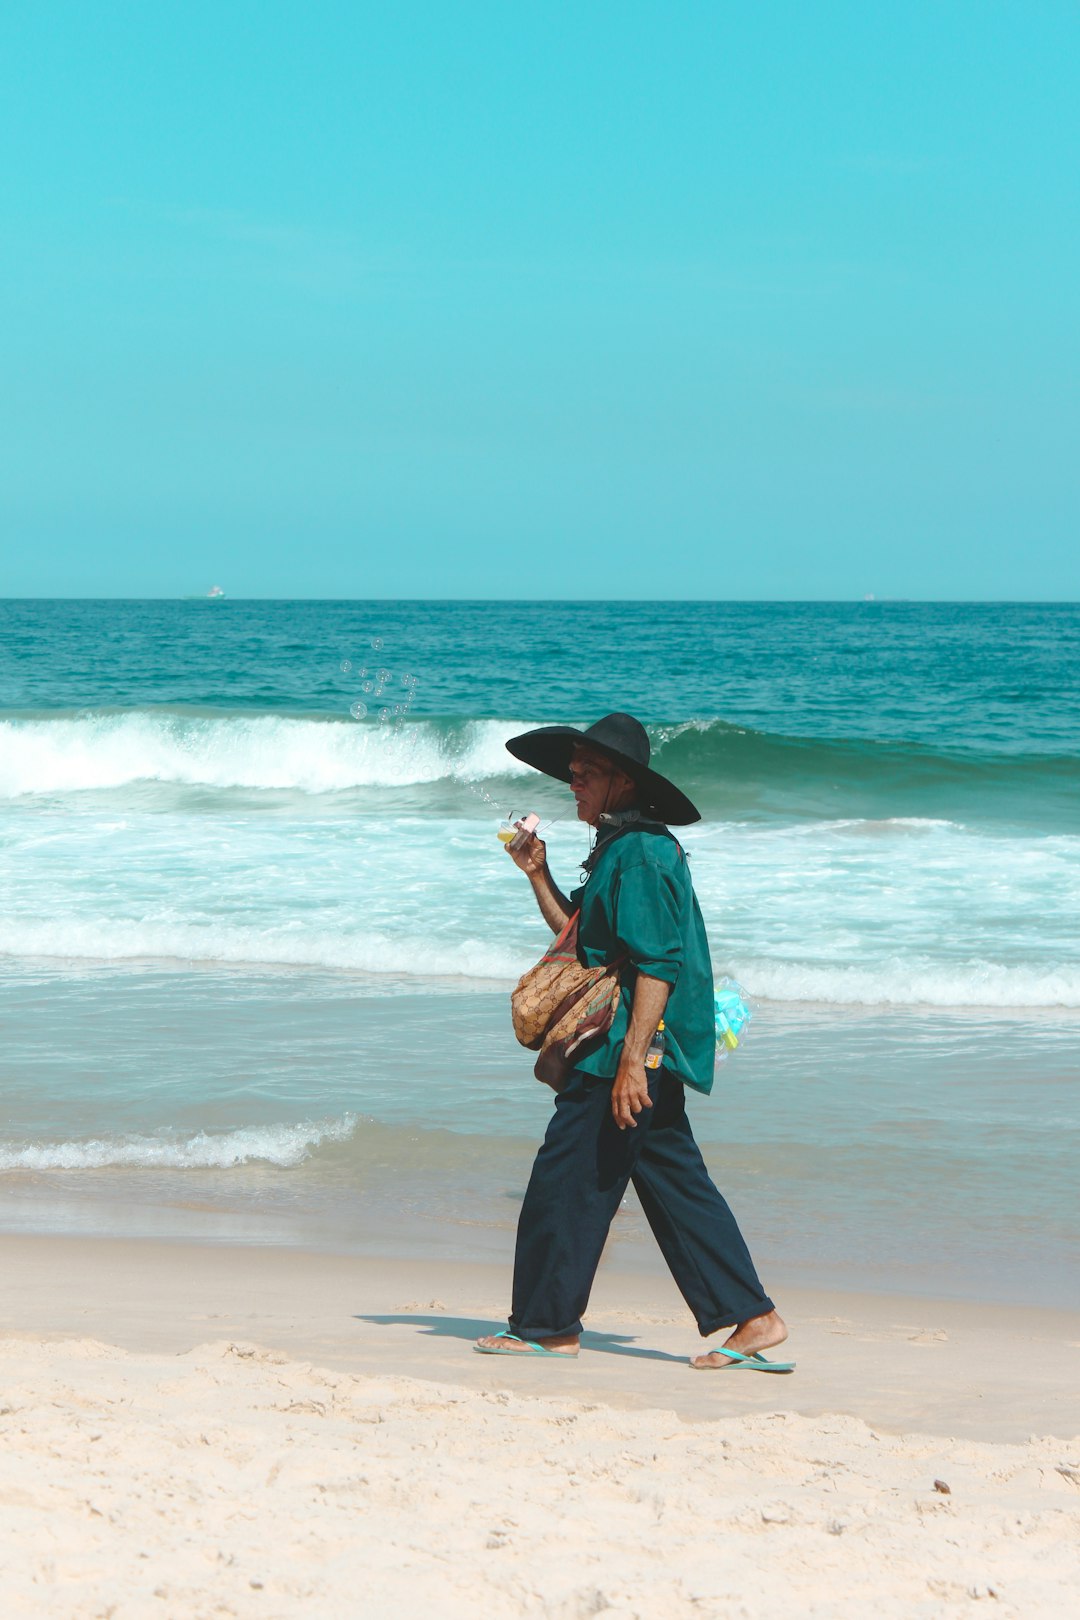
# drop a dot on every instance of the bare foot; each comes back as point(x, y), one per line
point(565, 1344)
point(759, 1333)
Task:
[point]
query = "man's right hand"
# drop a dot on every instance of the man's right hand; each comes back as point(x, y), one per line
point(530, 855)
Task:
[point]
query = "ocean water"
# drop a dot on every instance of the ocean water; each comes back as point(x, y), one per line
point(254, 951)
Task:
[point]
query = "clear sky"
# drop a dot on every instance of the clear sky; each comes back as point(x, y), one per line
point(561, 299)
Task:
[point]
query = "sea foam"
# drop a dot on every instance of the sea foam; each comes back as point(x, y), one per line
point(975, 984)
point(281, 1145)
point(360, 951)
point(470, 964)
point(95, 751)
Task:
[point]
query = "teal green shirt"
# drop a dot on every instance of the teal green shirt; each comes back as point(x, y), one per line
point(639, 902)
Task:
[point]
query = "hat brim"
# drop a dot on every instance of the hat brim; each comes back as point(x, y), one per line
point(550, 748)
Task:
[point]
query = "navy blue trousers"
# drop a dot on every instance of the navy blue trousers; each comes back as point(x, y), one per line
point(579, 1180)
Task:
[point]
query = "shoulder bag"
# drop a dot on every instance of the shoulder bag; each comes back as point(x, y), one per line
point(559, 1006)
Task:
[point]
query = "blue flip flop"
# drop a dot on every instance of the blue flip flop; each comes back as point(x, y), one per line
point(532, 1348)
point(756, 1362)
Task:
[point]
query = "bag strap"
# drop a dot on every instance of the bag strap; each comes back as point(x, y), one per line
point(655, 828)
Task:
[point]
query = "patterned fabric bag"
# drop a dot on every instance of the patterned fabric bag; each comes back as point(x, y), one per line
point(559, 1006)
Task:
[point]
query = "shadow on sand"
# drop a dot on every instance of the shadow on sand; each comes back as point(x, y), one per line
point(463, 1327)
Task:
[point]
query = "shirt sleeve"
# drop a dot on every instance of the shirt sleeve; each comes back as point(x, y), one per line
point(648, 911)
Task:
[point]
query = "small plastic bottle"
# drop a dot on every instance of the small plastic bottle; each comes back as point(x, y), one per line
point(655, 1055)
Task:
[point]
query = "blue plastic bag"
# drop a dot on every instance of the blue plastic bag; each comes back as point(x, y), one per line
point(733, 1017)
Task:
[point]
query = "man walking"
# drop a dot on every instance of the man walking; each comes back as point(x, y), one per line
point(617, 1121)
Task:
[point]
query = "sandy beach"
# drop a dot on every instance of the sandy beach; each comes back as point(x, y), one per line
point(204, 1431)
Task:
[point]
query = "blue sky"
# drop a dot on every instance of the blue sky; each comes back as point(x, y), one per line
point(678, 300)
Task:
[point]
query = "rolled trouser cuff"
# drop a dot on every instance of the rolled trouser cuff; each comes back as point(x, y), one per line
point(715, 1323)
point(540, 1334)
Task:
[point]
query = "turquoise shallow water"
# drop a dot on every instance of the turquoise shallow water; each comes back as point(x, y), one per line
point(857, 1147)
point(253, 950)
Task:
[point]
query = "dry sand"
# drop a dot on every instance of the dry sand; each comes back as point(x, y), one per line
point(213, 1432)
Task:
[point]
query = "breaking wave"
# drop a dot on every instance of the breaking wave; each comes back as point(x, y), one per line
point(282, 1145)
point(914, 984)
point(94, 751)
point(236, 946)
point(472, 964)
point(730, 771)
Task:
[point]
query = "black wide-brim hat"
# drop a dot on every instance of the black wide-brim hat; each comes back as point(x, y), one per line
point(625, 742)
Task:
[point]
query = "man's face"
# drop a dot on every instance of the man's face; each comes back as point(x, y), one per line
point(598, 785)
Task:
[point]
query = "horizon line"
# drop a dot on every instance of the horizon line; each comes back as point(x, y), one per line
point(592, 601)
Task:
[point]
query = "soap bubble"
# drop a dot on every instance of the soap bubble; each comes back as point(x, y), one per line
point(346, 665)
point(367, 686)
point(399, 708)
point(376, 643)
point(358, 710)
point(408, 680)
point(385, 675)
point(384, 716)
point(378, 691)
point(362, 671)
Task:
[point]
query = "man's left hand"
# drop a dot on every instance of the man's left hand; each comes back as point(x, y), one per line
point(629, 1094)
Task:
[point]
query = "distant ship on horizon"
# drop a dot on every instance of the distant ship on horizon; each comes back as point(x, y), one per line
point(215, 591)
